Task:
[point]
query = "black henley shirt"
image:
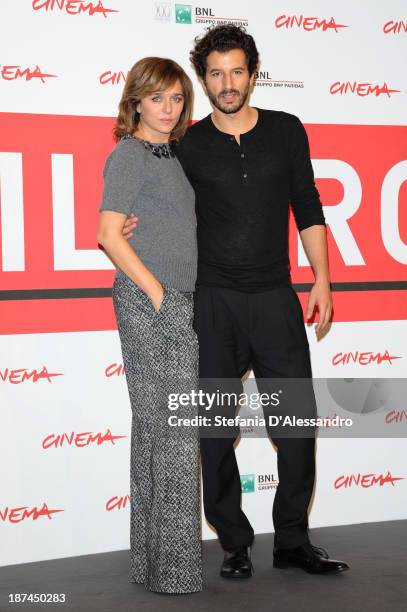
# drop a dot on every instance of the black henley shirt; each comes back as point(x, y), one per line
point(243, 195)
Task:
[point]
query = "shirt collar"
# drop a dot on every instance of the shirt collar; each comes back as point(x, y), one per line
point(225, 136)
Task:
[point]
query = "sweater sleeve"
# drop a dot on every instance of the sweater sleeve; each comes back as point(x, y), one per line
point(124, 174)
point(304, 196)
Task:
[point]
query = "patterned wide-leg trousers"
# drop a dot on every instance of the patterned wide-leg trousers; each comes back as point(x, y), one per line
point(160, 354)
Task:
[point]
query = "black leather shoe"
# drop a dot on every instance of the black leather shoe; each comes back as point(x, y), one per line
point(312, 559)
point(237, 564)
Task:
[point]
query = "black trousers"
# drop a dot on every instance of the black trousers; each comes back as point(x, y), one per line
point(264, 331)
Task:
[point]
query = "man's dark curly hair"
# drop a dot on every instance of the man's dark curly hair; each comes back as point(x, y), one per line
point(223, 38)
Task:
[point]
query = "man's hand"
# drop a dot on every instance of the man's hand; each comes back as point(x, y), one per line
point(129, 225)
point(320, 296)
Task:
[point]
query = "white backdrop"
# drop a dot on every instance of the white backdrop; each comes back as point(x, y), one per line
point(69, 495)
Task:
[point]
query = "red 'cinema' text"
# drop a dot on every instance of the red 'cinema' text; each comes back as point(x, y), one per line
point(361, 89)
point(114, 369)
point(307, 23)
point(396, 416)
point(112, 78)
point(72, 7)
point(22, 513)
point(117, 503)
point(12, 73)
point(364, 480)
point(395, 27)
point(16, 377)
point(80, 440)
point(365, 358)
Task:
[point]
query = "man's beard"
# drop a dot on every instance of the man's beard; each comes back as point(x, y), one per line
point(229, 109)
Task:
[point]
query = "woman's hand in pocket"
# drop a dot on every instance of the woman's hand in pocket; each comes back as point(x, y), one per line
point(156, 296)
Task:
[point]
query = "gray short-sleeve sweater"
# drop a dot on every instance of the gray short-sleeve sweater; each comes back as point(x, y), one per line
point(158, 192)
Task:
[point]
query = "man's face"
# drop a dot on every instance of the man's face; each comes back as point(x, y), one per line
point(227, 80)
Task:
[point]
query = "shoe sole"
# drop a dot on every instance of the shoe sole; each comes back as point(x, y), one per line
point(286, 565)
point(236, 576)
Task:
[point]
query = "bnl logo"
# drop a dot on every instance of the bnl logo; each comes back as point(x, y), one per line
point(183, 13)
point(247, 482)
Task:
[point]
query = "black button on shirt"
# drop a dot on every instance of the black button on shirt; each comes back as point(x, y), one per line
point(243, 195)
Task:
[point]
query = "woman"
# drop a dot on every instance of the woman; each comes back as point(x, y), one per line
point(153, 302)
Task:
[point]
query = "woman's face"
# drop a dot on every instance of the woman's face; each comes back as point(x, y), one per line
point(160, 113)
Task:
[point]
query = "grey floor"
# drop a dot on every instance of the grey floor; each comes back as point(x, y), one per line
point(377, 580)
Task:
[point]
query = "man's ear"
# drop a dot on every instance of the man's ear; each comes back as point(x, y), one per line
point(251, 80)
point(253, 77)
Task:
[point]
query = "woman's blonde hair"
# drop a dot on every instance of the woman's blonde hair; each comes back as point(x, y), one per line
point(148, 75)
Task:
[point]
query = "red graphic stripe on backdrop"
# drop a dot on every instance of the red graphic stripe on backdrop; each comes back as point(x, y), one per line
point(372, 151)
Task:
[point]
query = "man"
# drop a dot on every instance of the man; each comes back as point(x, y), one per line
point(245, 165)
